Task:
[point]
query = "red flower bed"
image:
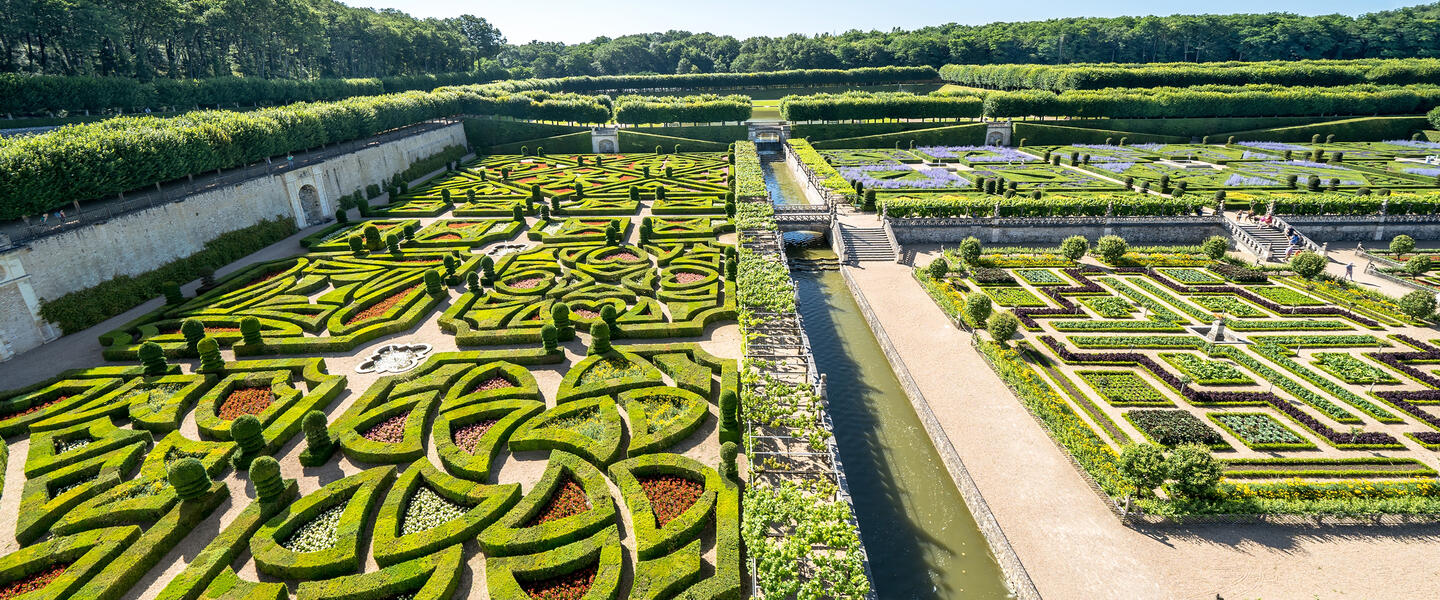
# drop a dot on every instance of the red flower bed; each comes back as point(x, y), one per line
point(468, 437)
point(39, 580)
point(525, 284)
point(34, 408)
point(446, 237)
point(264, 278)
point(670, 496)
point(246, 401)
point(688, 277)
point(462, 224)
point(380, 307)
point(494, 383)
point(571, 586)
point(567, 501)
point(389, 431)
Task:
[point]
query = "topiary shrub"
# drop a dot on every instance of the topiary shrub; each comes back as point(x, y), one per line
point(1215, 247)
point(1143, 465)
point(869, 204)
point(977, 309)
point(938, 268)
point(612, 234)
point(250, 330)
point(1002, 326)
point(1419, 304)
point(1307, 264)
point(970, 250)
point(342, 216)
point(432, 283)
point(189, 478)
point(560, 316)
point(599, 339)
point(472, 283)
point(319, 444)
point(729, 417)
point(172, 292)
point(1075, 247)
point(152, 357)
point(372, 237)
point(728, 452)
point(265, 474)
point(609, 315)
point(194, 331)
point(1402, 244)
point(249, 435)
point(549, 339)
point(1194, 471)
point(1111, 248)
point(210, 361)
point(731, 269)
point(392, 243)
point(487, 270)
point(357, 245)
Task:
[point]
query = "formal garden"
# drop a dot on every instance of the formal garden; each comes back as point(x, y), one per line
point(556, 399)
point(1185, 382)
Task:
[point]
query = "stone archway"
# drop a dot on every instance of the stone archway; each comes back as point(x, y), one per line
point(606, 146)
point(310, 203)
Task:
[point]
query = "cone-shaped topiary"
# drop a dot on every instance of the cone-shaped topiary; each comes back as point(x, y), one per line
point(372, 237)
point(189, 478)
point(731, 269)
point(319, 444)
point(472, 283)
point(432, 283)
point(487, 267)
point(560, 316)
point(392, 243)
point(153, 358)
point(210, 361)
point(729, 417)
point(342, 216)
point(612, 234)
point(599, 339)
point(250, 330)
point(549, 338)
point(172, 292)
point(728, 452)
point(265, 474)
point(517, 214)
point(249, 434)
point(193, 331)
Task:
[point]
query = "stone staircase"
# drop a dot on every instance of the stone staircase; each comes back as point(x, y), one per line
point(1265, 238)
point(867, 244)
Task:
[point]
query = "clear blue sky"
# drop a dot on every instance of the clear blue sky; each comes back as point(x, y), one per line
point(574, 21)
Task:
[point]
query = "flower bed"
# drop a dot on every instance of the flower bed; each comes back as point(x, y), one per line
point(1171, 428)
point(1012, 296)
point(318, 534)
point(389, 431)
point(1123, 388)
point(1207, 372)
point(468, 437)
point(1260, 431)
point(428, 510)
point(567, 501)
point(379, 308)
point(670, 496)
point(245, 401)
point(1351, 370)
point(1109, 307)
point(32, 583)
point(570, 586)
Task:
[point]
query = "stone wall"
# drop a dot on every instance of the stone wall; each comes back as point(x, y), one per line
point(1049, 232)
point(52, 266)
point(1365, 229)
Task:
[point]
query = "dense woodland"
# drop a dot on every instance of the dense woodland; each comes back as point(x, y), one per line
point(323, 38)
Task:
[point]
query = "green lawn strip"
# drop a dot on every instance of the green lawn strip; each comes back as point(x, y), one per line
point(1077, 396)
point(1260, 424)
point(1340, 468)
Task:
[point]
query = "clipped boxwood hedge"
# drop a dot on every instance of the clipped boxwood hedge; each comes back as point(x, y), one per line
point(357, 492)
point(503, 575)
point(391, 545)
point(512, 535)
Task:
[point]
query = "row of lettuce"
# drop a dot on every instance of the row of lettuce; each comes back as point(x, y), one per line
point(1254, 100)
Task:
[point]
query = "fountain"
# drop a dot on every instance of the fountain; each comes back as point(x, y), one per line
point(394, 358)
point(1216, 333)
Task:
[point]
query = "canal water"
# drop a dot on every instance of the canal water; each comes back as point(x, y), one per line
point(921, 539)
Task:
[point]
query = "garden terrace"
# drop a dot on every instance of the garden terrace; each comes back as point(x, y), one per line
point(1312, 388)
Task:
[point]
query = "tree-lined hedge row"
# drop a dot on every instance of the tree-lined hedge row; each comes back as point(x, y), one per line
point(1213, 101)
point(878, 105)
point(1435, 117)
point(1319, 73)
point(986, 206)
point(867, 75)
point(703, 108)
point(41, 94)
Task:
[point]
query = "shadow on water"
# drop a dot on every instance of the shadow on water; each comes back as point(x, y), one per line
point(921, 539)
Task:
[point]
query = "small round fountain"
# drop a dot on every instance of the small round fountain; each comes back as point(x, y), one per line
point(394, 358)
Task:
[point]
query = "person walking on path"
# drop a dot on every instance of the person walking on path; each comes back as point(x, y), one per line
point(1350, 271)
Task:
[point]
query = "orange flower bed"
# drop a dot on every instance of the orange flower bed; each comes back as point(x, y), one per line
point(446, 237)
point(33, 583)
point(246, 401)
point(380, 307)
point(567, 501)
point(670, 496)
point(34, 408)
point(571, 586)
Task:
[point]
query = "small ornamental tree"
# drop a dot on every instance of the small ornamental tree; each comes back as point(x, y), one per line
point(1419, 304)
point(970, 250)
point(1193, 471)
point(938, 268)
point(1215, 247)
point(392, 243)
point(731, 269)
point(1111, 248)
point(869, 204)
point(342, 216)
point(152, 357)
point(977, 309)
point(407, 232)
point(728, 453)
point(487, 270)
point(172, 292)
point(560, 316)
point(1143, 465)
point(517, 213)
point(634, 193)
point(189, 478)
point(1307, 264)
point(445, 196)
point(1075, 247)
point(194, 331)
point(555, 204)
point(1418, 265)
point(372, 237)
point(1402, 244)
point(451, 263)
point(729, 417)
point(730, 208)
point(319, 444)
point(250, 330)
point(1002, 326)
point(645, 231)
point(210, 361)
point(432, 283)
point(579, 191)
point(249, 434)
point(472, 283)
point(265, 474)
point(549, 339)
point(599, 339)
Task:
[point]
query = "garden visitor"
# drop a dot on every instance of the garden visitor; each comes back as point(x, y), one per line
point(1350, 271)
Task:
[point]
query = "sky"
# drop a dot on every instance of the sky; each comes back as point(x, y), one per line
point(573, 21)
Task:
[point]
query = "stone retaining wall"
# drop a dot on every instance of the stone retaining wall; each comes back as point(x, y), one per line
point(1049, 232)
